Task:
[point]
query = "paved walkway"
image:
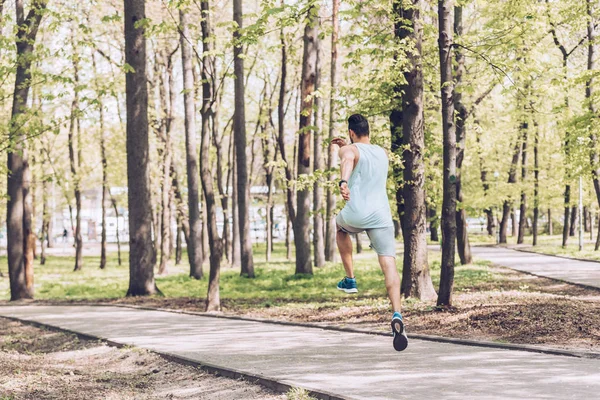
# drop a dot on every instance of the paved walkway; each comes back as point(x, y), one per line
point(350, 365)
point(575, 271)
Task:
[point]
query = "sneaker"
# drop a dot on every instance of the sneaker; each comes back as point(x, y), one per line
point(400, 338)
point(348, 285)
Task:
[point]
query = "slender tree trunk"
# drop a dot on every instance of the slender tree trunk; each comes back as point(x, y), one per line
point(236, 254)
point(75, 162)
point(408, 141)
point(50, 228)
point(359, 248)
point(330, 230)
point(213, 302)
point(309, 69)
point(536, 183)
point(574, 221)
point(589, 94)
point(462, 236)
point(586, 219)
point(45, 220)
point(433, 225)
point(194, 248)
point(550, 230)
point(514, 224)
point(512, 179)
point(318, 231)
point(114, 205)
point(178, 247)
point(523, 206)
point(567, 215)
point(289, 175)
point(239, 129)
point(445, 8)
point(141, 248)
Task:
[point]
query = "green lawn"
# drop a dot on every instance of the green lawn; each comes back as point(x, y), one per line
point(274, 282)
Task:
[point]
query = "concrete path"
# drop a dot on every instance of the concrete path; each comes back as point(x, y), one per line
point(575, 271)
point(349, 365)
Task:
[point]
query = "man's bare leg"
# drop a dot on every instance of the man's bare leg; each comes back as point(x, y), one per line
point(344, 243)
point(392, 280)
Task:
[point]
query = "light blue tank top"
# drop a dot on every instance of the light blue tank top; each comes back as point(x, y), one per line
point(368, 207)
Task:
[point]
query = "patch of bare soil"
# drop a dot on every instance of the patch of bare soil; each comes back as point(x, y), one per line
point(43, 364)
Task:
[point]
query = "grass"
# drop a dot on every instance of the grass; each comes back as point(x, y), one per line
point(275, 281)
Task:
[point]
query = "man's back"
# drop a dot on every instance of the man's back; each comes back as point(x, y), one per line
point(368, 207)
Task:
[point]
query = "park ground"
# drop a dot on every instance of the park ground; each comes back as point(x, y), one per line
point(490, 302)
point(41, 364)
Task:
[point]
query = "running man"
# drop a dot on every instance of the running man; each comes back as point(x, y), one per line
point(364, 171)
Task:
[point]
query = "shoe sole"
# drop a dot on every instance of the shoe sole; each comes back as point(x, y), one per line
point(348, 290)
point(400, 339)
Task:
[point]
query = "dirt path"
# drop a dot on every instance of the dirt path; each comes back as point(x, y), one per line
point(43, 364)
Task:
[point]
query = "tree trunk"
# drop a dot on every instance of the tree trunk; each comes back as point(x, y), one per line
point(462, 236)
point(512, 178)
point(18, 223)
point(408, 141)
point(75, 162)
point(178, 248)
point(523, 206)
point(433, 225)
point(114, 205)
point(141, 247)
point(194, 248)
point(309, 70)
point(536, 184)
point(213, 302)
point(550, 230)
point(330, 230)
point(236, 254)
point(449, 199)
point(45, 220)
point(359, 247)
point(318, 232)
point(567, 215)
point(289, 175)
point(574, 221)
point(589, 94)
point(239, 131)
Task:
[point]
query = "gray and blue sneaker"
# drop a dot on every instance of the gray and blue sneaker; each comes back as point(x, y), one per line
point(348, 285)
point(400, 338)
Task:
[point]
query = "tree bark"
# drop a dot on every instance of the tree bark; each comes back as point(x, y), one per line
point(449, 133)
point(18, 222)
point(239, 129)
point(141, 247)
point(523, 206)
point(512, 179)
point(114, 205)
point(574, 221)
point(213, 302)
point(408, 140)
point(462, 237)
point(45, 220)
point(194, 249)
point(589, 93)
point(359, 247)
point(236, 254)
point(76, 161)
point(318, 231)
point(330, 230)
point(536, 183)
point(309, 69)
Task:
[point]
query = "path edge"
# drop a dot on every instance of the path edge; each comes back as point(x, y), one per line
point(280, 386)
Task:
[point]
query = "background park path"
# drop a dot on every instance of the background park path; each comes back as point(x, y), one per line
point(585, 273)
point(346, 365)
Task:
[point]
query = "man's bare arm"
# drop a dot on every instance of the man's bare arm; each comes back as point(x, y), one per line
point(347, 157)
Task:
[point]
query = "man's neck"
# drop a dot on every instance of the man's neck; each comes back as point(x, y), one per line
point(363, 140)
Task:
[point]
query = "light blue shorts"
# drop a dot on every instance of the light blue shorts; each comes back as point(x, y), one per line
point(382, 240)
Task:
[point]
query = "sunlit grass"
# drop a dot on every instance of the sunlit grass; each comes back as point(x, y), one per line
point(274, 282)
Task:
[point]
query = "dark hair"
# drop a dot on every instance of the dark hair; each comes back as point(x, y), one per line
point(359, 125)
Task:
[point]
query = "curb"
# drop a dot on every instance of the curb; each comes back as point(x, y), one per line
point(429, 338)
point(270, 383)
